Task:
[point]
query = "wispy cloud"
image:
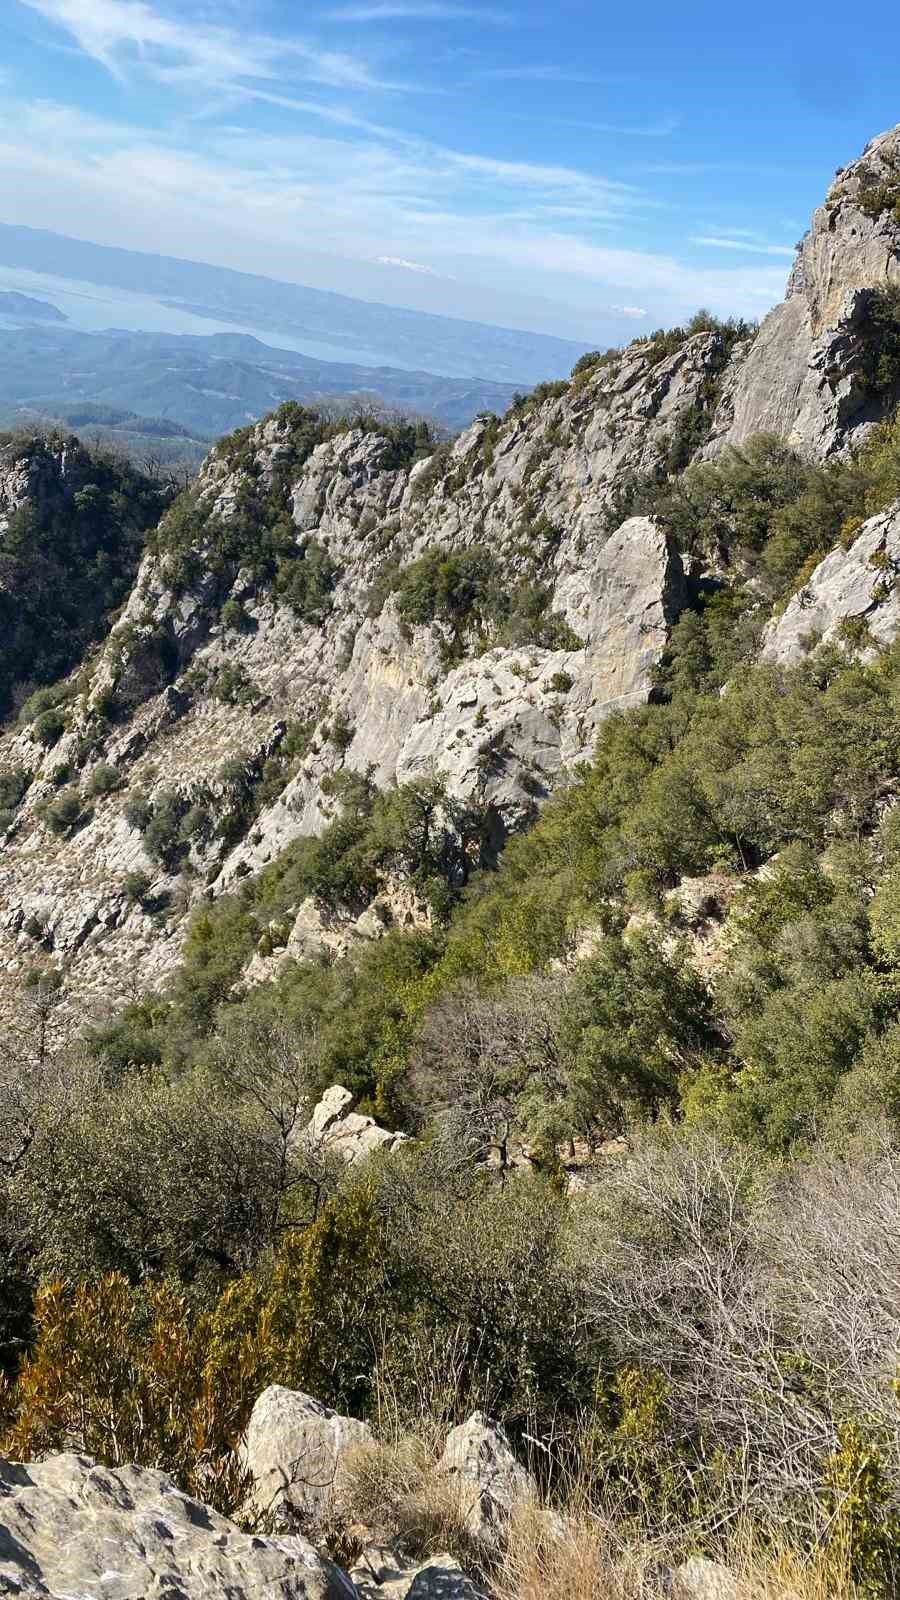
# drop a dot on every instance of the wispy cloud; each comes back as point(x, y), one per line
point(754, 247)
point(408, 266)
point(546, 72)
point(249, 196)
point(419, 11)
point(659, 128)
point(129, 35)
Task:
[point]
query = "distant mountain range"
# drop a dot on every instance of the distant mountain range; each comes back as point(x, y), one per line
point(359, 330)
point(210, 384)
point(19, 308)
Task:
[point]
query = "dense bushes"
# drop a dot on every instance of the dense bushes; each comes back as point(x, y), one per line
point(469, 591)
point(704, 1341)
point(67, 559)
point(760, 511)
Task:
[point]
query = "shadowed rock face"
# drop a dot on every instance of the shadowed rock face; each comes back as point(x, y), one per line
point(806, 375)
point(70, 1527)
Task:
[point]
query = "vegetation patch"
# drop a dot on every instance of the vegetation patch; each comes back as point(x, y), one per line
point(68, 558)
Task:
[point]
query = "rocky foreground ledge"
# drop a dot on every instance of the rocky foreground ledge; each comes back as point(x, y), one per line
point(73, 1529)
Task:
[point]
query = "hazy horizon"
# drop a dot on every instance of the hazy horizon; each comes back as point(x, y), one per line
point(581, 173)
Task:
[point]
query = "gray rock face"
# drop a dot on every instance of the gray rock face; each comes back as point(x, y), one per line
point(340, 1131)
point(807, 376)
point(499, 724)
point(380, 1574)
point(491, 1481)
point(293, 1449)
point(69, 1527)
point(859, 583)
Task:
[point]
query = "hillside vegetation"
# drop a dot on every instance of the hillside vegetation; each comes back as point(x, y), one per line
point(540, 788)
point(69, 551)
point(725, 1356)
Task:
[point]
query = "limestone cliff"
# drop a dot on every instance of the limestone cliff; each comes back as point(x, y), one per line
point(810, 376)
point(356, 600)
point(205, 680)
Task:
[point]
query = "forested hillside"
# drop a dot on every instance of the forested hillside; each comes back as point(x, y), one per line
point(540, 789)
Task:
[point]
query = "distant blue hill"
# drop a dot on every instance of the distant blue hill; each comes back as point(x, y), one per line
point(420, 340)
point(211, 384)
point(22, 308)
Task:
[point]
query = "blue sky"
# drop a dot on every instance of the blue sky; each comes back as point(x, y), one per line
point(576, 167)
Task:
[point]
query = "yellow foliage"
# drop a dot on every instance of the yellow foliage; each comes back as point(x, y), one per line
point(132, 1374)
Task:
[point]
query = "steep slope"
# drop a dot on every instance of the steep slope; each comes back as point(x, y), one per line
point(320, 605)
point(826, 362)
point(336, 599)
point(72, 522)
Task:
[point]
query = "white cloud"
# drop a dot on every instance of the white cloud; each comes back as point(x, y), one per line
point(635, 312)
point(408, 266)
point(129, 35)
point(744, 244)
point(418, 11)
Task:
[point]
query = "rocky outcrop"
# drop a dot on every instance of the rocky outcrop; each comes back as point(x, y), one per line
point(809, 374)
point(852, 597)
point(71, 1527)
point(293, 1448)
point(381, 1574)
point(491, 1482)
point(338, 1130)
point(210, 705)
point(211, 688)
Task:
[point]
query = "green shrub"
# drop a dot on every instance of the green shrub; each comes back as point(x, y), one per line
point(233, 685)
point(161, 834)
point(104, 779)
point(63, 814)
point(138, 811)
point(14, 784)
point(136, 887)
point(234, 617)
point(48, 727)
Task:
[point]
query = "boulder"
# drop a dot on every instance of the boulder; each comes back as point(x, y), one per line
point(701, 1579)
point(380, 1574)
point(491, 1481)
point(70, 1527)
point(293, 1449)
point(857, 583)
point(348, 1134)
point(333, 1105)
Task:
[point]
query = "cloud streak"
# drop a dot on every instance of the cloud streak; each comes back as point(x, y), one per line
point(419, 11)
point(714, 242)
point(126, 36)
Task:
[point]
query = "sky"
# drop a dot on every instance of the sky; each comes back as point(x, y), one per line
point(576, 167)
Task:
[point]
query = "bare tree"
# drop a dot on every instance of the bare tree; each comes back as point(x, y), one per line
point(691, 1273)
point(33, 1048)
point(270, 1072)
point(478, 1054)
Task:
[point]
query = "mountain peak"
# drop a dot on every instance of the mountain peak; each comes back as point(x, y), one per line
point(812, 375)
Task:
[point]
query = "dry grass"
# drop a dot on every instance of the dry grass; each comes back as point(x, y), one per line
point(553, 1556)
point(402, 1498)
